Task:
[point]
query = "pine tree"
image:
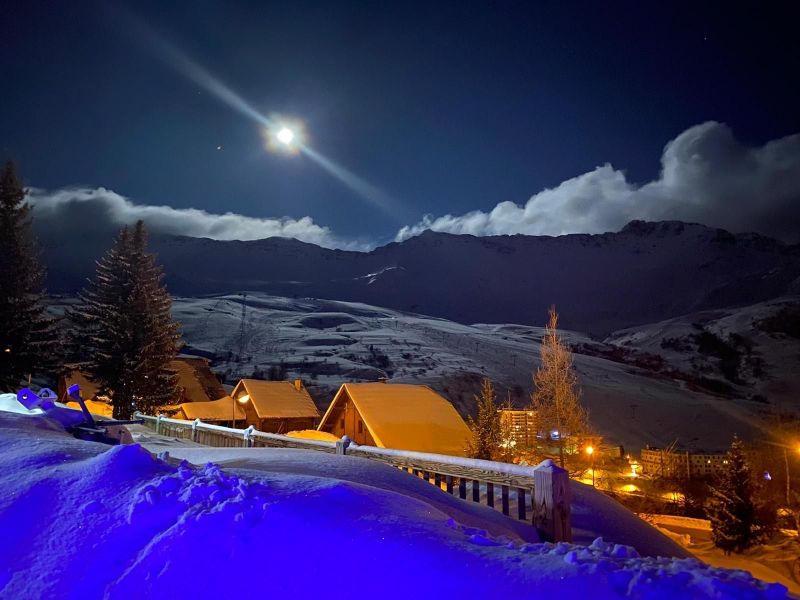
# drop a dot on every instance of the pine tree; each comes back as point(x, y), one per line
point(486, 429)
point(556, 397)
point(28, 335)
point(733, 510)
point(125, 336)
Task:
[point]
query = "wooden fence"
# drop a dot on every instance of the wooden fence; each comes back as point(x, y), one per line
point(540, 494)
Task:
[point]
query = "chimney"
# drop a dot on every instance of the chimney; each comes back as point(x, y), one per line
point(298, 385)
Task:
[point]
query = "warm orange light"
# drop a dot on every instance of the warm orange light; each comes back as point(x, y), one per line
point(589, 450)
point(243, 399)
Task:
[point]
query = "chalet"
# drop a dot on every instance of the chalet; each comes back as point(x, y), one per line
point(396, 415)
point(196, 382)
point(276, 406)
point(224, 411)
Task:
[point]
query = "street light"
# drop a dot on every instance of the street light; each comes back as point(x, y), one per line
point(241, 400)
point(788, 481)
point(590, 452)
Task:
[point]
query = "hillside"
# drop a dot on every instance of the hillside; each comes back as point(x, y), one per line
point(645, 273)
point(328, 342)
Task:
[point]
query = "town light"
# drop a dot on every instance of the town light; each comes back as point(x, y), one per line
point(241, 400)
point(589, 450)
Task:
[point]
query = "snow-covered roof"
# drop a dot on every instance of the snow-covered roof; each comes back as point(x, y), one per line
point(196, 380)
point(313, 434)
point(214, 410)
point(277, 399)
point(406, 417)
point(96, 407)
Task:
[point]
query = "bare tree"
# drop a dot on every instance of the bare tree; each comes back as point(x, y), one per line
point(556, 396)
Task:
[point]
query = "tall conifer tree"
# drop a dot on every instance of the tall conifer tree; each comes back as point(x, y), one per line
point(737, 519)
point(28, 335)
point(125, 335)
point(486, 428)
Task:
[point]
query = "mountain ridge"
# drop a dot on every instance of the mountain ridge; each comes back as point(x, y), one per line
point(646, 272)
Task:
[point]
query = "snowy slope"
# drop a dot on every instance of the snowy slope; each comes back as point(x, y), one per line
point(327, 343)
point(733, 348)
point(81, 520)
point(645, 273)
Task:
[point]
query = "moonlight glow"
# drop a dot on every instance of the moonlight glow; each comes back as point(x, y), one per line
point(284, 135)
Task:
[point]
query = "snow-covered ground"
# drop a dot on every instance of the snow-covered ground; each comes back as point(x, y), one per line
point(83, 520)
point(731, 346)
point(328, 343)
point(778, 561)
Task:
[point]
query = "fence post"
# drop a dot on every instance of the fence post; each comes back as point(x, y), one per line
point(248, 441)
point(158, 423)
point(551, 505)
point(342, 444)
point(195, 423)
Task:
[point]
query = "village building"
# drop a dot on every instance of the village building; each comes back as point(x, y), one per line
point(276, 406)
point(224, 411)
point(196, 382)
point(658, 462)
point(519, 426)
point(396, 415)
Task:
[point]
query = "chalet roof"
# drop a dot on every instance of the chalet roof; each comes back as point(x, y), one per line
point(214, 410)
point(313, 434)
point(406, 417)
point(277, 399)
point(103, 409)
point(198, 382)
point(88, 388)
point(195, 378)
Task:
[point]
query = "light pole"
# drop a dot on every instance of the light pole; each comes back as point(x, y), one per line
point(590, 452)
point(788, 481)
point(241, 400)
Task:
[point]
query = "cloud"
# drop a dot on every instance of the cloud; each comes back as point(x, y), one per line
point(707, 176)
point(98, 211)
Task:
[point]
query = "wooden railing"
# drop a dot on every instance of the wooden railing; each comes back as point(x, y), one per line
point(540, 494)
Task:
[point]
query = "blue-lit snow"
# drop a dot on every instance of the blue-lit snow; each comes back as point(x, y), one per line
point(82, 520)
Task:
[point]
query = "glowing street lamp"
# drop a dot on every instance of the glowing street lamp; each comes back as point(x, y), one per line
point(590, 452)
point(243, 399)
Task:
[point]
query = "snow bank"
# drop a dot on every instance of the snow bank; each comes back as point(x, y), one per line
point(83, 520)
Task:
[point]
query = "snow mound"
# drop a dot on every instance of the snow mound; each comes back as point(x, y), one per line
point(83, 520)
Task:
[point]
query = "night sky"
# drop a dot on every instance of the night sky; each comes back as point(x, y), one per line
point(446, 107)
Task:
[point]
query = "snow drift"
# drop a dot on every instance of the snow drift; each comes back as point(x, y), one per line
point(82, 520)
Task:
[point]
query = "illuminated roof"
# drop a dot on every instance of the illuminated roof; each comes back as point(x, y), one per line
point(407, 417)
point(215, 410)
point(277, 399)
point(102, 409)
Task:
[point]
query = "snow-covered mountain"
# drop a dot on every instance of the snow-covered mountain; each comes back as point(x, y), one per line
point(645, 273)
point(327, 343)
